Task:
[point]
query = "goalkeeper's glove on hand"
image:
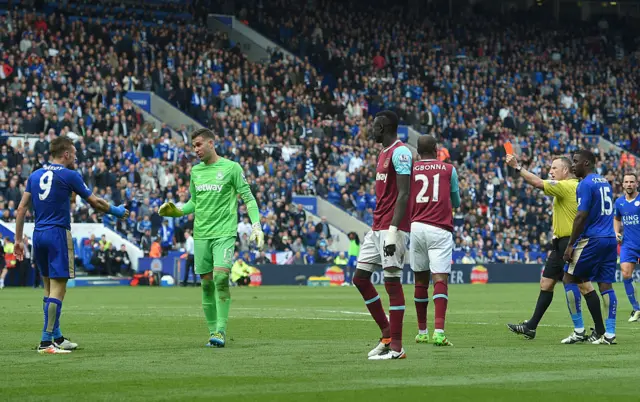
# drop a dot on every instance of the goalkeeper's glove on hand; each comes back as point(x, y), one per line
point(390, 241)
point(169, 209)
point(257, 235)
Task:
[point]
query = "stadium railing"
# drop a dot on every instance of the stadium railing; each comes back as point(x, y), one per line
point(162, 110)
point(248, 38)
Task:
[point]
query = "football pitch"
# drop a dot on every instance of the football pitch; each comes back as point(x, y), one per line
point(306, 344)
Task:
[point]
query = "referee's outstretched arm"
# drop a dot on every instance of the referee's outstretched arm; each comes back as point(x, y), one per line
point(529, 177)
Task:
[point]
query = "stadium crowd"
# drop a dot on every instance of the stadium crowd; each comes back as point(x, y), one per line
point(300, 126)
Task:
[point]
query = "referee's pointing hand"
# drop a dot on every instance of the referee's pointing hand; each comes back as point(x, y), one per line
point(568, 254)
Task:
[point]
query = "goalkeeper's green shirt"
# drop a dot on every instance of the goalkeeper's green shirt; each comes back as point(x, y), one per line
point(214, 192)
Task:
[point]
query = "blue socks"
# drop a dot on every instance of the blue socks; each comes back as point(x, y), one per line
point(611, 306)
point(574, 302)
point(52, 309)
point(630, 288)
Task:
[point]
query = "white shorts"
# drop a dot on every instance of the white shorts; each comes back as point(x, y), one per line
point(372, 251)
point(431, 249)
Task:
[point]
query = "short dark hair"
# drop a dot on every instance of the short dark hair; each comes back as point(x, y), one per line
point(565, 161)
point(391, 116)
point(635, 176)
point(60, 145)
point(204, 133)
point(588, 155)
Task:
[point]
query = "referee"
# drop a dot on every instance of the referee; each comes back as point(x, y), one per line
point(562, 187)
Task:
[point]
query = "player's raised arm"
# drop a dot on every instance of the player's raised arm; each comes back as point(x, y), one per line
point(455, 189)
point(242, 188)
point(25, 203)
point(402, 161)
point(526, 175)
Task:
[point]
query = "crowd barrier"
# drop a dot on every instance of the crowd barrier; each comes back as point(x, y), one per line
point(460, 274)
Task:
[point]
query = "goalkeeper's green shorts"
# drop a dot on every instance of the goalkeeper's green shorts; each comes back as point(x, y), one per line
point(213, 253)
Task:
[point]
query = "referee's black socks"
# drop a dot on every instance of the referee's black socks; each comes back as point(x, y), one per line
point(544, 301)
point(593, 303)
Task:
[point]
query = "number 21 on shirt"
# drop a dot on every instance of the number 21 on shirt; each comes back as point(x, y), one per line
point(421, 198)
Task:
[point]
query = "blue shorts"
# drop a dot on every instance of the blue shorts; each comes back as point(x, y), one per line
point(629, 254)
point(353, 261)
point(594, 259)
point(53, 253)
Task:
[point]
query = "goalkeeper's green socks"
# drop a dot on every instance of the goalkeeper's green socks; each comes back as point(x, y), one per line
point(223, 299)
point(209, 304)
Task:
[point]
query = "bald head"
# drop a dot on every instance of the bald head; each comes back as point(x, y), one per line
point(427, 147)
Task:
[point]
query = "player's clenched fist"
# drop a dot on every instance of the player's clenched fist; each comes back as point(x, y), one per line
point(169, 209)
point(568, 254)
point(257, 235)
point(18, 250)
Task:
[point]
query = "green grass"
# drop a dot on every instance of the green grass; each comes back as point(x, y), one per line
point(305, 344)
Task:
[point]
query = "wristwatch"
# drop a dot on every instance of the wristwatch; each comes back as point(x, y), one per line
point(519, 168)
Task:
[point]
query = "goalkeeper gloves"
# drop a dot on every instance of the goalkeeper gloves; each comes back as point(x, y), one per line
point(257, 235)
point(169, 209)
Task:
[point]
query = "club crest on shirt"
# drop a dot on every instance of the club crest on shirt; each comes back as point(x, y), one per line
point(220, 176)
point(637, 203)
point(386, 163)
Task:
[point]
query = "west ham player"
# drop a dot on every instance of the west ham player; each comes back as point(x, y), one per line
point(385, 245)
point(434, 194)
point(627, 218)
point(592, 253)
point(52, 187)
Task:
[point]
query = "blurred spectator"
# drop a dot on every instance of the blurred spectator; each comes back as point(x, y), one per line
point(241, 273)
point(189, 249)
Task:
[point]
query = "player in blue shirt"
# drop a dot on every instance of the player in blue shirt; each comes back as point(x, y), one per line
point(591, 254)
point(627, 218)
point(49, 189)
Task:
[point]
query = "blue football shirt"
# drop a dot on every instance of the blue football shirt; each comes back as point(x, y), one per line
point(594, 196)
point(51, 188)
point(629, 214)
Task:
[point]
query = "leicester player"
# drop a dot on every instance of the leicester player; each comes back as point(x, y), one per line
point(214, 188)
point(385, 245)
point(627, 218)
point(592, 252)
point(49, 189)
point(434, 194)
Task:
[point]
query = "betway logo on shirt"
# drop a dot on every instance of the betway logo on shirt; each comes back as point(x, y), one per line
point(209, 187)
point(381, 177)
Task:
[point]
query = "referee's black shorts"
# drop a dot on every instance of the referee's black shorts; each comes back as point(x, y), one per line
point(554, 268)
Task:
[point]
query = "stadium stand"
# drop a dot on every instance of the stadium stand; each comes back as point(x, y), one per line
point(473, 83)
